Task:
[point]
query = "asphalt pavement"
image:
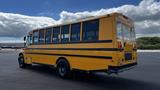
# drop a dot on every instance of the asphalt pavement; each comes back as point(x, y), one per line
point(146, 76)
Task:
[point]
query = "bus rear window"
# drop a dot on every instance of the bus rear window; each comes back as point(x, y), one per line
point(127, 33)
point(124, 32)
point(119, 30)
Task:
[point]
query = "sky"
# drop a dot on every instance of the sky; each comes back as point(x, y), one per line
point(52, 8)
point(17, 17)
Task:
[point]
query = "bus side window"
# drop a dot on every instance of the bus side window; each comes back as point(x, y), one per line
point(41, 36)
point(48, 35)
point(35, 37)
point(56, 35)
point(75, 32)
point(91, 30)
point(29, 40)
point(65, 33)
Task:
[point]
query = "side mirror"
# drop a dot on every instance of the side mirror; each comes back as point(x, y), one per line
point(24, 38)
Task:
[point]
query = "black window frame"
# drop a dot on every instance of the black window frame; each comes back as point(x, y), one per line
point(37, 37)
point(41, 38)
point(87, 29)
point(76, 31)
point(48, 32)
point(29, 40)
point(65, 30)
point(57, 34)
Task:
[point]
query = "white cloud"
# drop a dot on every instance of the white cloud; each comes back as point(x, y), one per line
point(16, 25)
point(146, 16)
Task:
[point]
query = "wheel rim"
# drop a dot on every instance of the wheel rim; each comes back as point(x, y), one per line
point(62, 70)
point(21, 60)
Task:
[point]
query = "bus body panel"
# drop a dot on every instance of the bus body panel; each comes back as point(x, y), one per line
point(86, 55)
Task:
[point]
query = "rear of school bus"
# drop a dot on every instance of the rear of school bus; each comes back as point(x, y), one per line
point(124, 38)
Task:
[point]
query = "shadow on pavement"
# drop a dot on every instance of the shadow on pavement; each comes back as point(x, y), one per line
point(98, 81)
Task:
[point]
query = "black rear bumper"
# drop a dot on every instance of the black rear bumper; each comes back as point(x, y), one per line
point(117, 69)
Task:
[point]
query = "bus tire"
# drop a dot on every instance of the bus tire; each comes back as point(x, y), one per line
point(21, 62)
point(63, 69)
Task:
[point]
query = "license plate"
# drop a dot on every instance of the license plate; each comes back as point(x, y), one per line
point(128, 56)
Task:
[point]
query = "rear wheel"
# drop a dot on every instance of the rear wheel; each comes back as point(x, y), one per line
point(21, 61)
point(63, 69)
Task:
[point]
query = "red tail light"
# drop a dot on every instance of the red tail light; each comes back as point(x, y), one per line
point(120, 44)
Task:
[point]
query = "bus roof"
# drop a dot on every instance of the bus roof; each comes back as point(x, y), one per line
point(82, 20)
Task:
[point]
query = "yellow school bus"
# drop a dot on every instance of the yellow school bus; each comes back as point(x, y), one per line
point(95, 44)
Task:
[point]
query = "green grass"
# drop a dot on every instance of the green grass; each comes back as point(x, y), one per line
point(148, 43)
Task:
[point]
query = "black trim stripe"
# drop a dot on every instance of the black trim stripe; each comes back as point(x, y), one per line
point(72, 55)
point(86, 49)
point(79, 42)
point(44, 64)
